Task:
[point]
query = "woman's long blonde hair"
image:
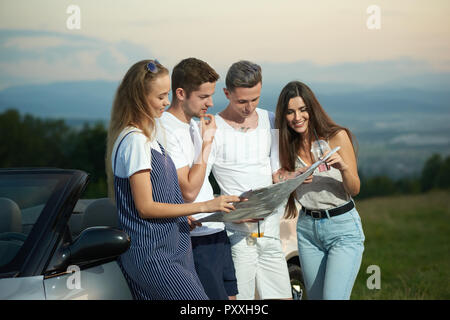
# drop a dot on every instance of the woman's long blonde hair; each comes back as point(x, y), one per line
point(130, 108)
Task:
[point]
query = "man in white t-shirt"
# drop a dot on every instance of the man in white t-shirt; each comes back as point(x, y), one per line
point(244, 156)
point(193, 84)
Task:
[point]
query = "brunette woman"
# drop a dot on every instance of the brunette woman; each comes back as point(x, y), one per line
point(329, 230)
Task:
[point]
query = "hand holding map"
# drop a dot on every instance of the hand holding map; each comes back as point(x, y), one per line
point(263, 201)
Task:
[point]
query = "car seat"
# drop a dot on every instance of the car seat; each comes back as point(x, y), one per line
point(100, 212)
point(10, 216)
point(11, 237)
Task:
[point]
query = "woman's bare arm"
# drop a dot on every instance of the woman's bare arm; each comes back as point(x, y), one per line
point(141, 189)
point(345, 161)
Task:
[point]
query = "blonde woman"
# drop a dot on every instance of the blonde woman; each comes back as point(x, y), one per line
point(159, 263)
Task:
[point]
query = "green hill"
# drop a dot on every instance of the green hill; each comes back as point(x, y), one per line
point(408, 238)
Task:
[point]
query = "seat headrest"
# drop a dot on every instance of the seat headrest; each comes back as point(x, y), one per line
point(100, 212)
point(10, 216)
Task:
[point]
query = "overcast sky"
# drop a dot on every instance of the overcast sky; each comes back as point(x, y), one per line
point(327, 36)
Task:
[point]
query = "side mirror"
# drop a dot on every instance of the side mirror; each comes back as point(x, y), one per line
point(97, 243)
point(93, 244)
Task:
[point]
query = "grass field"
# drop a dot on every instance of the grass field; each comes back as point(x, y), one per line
point(408, 237)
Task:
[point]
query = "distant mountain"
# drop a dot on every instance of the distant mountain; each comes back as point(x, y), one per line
point(81, 100)
point(397, 129)
point(387, 101)
point(93, 99)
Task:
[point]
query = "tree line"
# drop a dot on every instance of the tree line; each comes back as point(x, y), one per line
point(28, 141)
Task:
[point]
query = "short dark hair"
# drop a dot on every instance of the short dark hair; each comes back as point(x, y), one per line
point(243, 74)
point(190, 73)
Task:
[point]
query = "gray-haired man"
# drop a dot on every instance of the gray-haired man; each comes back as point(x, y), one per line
point(241, 160)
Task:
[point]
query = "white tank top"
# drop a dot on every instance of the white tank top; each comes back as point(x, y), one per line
point(241, 162)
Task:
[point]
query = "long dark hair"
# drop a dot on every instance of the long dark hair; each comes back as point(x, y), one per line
point(319, 125)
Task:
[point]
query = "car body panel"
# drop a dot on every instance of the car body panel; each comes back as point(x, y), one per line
point(288, 237)
point(100, 282)
point(26, 288)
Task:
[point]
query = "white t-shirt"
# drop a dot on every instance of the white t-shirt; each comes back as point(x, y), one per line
point(244, 161)
point(183, 142)
point(134, 153)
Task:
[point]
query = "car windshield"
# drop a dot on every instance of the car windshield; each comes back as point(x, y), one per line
point(23, 197)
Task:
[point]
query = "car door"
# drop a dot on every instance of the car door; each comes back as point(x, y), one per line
point(101, 279)
point(101, 282)
point(36, 248)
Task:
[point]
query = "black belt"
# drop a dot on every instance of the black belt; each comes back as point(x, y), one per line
point(319, 214)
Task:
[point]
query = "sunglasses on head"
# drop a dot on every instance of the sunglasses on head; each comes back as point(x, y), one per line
point(152, 67)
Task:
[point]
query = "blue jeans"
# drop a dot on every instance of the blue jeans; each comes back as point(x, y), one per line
point(330, 251)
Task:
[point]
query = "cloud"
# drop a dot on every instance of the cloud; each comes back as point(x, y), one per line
point(414, 139)
point(36, 57)
point(324, 32)
point(35, 43)
point(396, 73)
point(42, 57)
